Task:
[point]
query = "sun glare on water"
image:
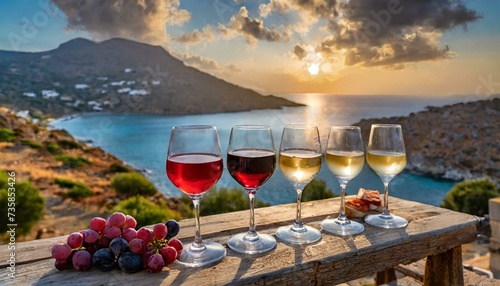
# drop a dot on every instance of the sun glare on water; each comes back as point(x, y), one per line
point(313, 69)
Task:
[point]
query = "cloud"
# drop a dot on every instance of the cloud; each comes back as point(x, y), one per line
point(141, 20)
point(195, 37)
point(388, 33)
point(233, 69)
point(199, 61)
point(300, 51)
point(252, 29)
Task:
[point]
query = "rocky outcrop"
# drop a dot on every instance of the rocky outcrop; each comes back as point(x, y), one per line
point(456, 142)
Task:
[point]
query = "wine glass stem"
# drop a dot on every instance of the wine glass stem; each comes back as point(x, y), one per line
point(385, 210)
point(252, 234)
point(297, 225)
point(342, 217)
point(198, 242)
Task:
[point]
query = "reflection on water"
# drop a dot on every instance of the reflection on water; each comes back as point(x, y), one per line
point(142, 140)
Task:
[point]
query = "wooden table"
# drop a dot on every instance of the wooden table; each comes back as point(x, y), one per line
point(433, 232)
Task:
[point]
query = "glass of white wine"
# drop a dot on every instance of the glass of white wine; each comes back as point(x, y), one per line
point(345, 157)
point(300, 161)
point(386, 156)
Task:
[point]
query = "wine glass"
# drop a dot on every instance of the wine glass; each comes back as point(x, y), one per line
point(251, 160)
point(387, 157)
point(194, 165)
point(345, 158)
point(300, 161)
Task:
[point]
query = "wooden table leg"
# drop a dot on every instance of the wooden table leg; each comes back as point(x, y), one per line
point(386, 277)
point(445, 268)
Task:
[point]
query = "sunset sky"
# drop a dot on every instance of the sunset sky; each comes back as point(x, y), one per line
point(427, 47)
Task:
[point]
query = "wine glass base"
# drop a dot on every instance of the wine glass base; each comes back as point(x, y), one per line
point(213, 253)
point(264, 243)
point(393, 221)
point(310, 235)
point(338, 227)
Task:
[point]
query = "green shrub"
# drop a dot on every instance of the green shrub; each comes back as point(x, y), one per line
point(224, 200)
point(7, 135)
point(144, 211)
point(118, 168)
point(31, 144)
point(29, 206)
point(68, 144)
point(132, 184)
point(316, 190)
point(471, 196)
point(64, 183)
point(72, 162)
point(53, 148)
point(78, 192)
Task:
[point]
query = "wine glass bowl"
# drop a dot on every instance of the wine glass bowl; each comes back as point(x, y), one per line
point(251, 161)
point(194, 165)
point(299, 161)
point(386, 156)
point(345, 158)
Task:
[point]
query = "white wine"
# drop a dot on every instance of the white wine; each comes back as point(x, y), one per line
point(300, 165)
point(345, 164)
point(386, 162)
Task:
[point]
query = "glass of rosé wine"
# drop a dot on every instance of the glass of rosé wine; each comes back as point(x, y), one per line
point(194, 165)
point(251, 161)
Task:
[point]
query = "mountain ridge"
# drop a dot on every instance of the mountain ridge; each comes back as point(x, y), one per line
point(119, 75)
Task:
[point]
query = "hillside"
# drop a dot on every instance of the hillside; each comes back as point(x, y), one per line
point(31, 154)
point(456, 142)
point(118, 75)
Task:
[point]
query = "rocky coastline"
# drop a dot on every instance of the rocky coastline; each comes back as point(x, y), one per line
point(454, 142)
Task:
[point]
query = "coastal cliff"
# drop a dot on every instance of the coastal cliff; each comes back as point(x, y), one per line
point(456, 142)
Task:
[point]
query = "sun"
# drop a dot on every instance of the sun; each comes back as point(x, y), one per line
point(313, 69)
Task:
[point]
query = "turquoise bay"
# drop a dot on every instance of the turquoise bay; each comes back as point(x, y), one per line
point(142, 140)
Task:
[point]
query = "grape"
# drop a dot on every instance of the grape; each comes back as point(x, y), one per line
point(169, 254)
point(63, 264)
point(118, 246)
point(129, 234)
point(177, 244)
point(156, 263)
point(104, 260)
point(145, 234)
point(91, 247)
point(90, 236)
point(137, 245)
point(129, 222)
point(160, 231)
point(104, 242)
point(146, 256)
point(113, 232)
point(82, 260)
point(130, 262)
point(117, 219)
point(98, 224)
point(61, 251)
point(75, 240)
point(173, 228)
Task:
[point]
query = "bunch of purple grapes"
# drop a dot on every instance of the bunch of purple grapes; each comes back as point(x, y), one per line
point(115, 243)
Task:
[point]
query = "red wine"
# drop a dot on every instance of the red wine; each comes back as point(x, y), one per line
point(251, 167)
point(194, 173)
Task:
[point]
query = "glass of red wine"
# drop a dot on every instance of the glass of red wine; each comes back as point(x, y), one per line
point(251, 160)
point(194, 165)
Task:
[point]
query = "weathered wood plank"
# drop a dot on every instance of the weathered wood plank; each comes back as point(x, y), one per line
point(332, 260)
point(445, 268)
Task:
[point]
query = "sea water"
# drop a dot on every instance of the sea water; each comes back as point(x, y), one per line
point(142, 140)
